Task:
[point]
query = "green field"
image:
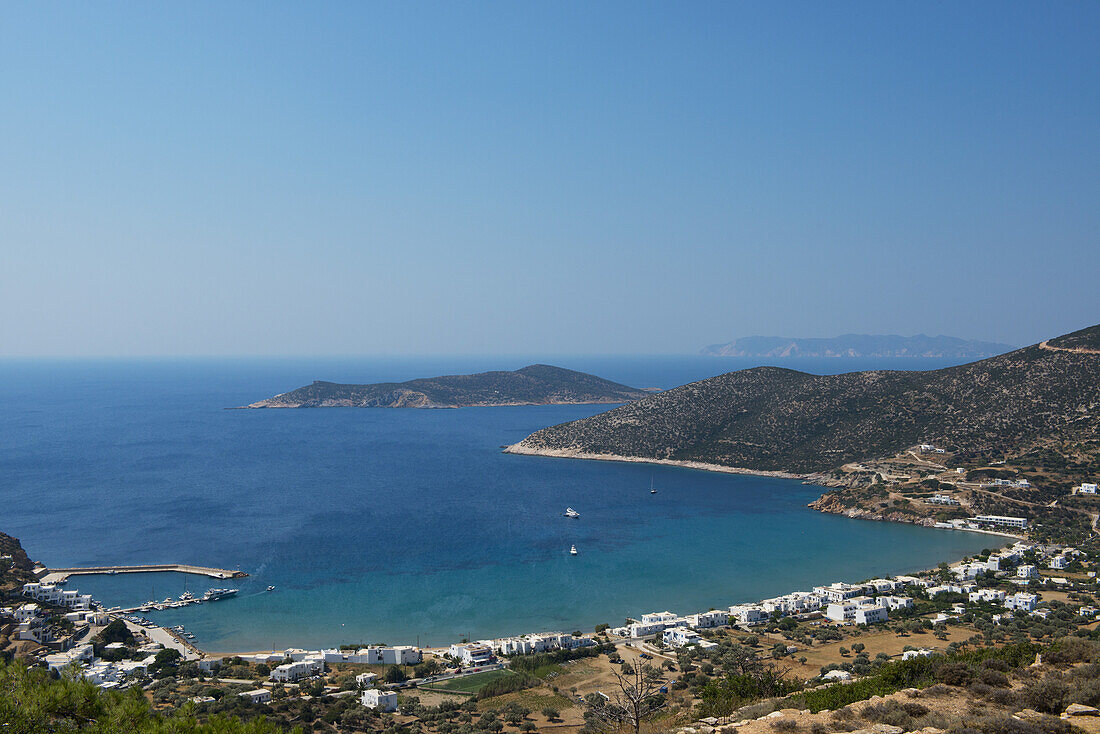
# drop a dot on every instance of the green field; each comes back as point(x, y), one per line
point(470, 683)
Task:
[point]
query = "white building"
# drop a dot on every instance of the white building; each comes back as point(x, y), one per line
point(707, 620)
point(839, 592)
point(894, 603)
point(1021, 601)
point(365, 679)
point(942, 499)
point(27, 613)
point(381, 700)
point(885, 586)
point(1010, 522)
point(860, 610)
point(988, 595)
point(910, 654)
point(379, 655)
point(472, 653)
point(80, 653)
point(747, 614)
point(644, 629)
point(297, 669)
point(1026, 572)
point(967, 571)
point(658, 617)
point(950, 589)
point(871, 615)
point(682, 636)
point(1086, 488)
point(259, 695)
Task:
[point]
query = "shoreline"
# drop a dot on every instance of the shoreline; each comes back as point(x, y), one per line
point(520, 450)
point(813, 479)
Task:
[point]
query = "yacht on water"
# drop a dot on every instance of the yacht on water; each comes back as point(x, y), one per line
point(271, 588)
point(570, 512)
point(652, 490)
point(572, 550)
point(215, 594)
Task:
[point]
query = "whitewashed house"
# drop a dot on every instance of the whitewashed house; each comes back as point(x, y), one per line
point(380, 700)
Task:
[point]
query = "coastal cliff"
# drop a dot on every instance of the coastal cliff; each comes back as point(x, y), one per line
point(537, 384)
point(16, 568)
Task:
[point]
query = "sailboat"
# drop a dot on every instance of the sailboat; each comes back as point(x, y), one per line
point(570, 512)
point(572, 550)
point(651, 488)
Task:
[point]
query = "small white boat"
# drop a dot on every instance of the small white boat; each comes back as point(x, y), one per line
point(271, 588)
point(570, 512)
point(572, 550)
point(651, 488)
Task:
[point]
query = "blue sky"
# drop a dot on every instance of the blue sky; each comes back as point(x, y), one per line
point(408, 178)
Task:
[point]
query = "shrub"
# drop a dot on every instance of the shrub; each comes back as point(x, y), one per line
point(785, 725)
point(994, 678)
point(954, 674)
point(1046, 695)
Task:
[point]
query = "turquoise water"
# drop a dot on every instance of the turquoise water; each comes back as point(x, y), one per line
point(397, 525)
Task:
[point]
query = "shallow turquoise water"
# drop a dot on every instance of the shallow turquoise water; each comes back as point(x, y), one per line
point(395, 525)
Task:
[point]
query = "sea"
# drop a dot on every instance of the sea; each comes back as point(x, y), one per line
point(400, 526)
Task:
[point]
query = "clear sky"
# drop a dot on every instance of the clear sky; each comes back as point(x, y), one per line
point(562, 177)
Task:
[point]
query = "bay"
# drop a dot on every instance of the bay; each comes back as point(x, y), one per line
point(399, 526)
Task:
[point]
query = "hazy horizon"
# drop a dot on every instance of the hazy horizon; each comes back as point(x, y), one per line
point(542, 178)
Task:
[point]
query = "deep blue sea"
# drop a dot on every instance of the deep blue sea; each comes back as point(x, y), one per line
point(399, 526)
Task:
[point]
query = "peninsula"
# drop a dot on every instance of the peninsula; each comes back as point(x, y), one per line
point(857, 345)
point(1022, 427)
point(536, 384)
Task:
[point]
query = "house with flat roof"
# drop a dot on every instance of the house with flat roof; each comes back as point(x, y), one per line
point(373, 698)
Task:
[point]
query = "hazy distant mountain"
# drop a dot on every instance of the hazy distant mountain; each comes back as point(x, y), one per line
point(770, 418)
point(537, 384)
point(858, 345)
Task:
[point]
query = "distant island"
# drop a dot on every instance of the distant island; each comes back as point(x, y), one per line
point(858, 345)
point(536, 384)
point(770, 419)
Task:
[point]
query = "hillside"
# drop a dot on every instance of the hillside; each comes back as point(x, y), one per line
point(857, 345)
point(773, 419)
point(16, 568)
point(537, 384)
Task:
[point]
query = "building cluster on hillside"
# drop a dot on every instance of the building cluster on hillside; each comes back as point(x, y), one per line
point(868, 602)
point(104, 673)
point(33, 620)
point(294, 664)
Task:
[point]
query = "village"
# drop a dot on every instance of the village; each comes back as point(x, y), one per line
point(803, 632)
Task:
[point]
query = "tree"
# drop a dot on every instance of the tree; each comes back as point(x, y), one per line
point(394, 675)
point(166, 660)
point(116, 631)
point(551, 713)
point(637, 699)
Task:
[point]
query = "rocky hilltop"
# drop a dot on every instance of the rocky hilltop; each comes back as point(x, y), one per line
point(857, 345)
point(780, 420)
point(16, 568)
point(537, 384)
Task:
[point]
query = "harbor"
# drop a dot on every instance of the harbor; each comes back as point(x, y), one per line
point(59, 575)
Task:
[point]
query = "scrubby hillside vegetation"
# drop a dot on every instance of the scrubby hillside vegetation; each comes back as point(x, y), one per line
point(774, 419)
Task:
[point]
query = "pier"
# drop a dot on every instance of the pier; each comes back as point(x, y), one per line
point(56, 575)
